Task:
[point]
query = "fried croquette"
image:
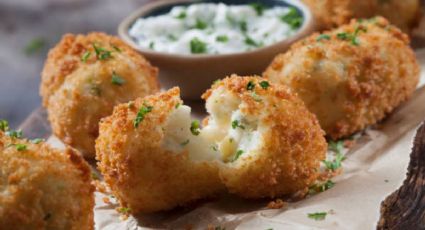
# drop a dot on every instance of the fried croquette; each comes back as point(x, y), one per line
point(43, 188)
point(350, 77)
point(270, 144)
point(332, 13)
point(151, 157)
point(84, 77)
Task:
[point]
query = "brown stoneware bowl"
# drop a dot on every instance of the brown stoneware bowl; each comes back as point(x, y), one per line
point(195, 73)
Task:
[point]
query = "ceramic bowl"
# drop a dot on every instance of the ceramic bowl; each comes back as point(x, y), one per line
point(195, 73)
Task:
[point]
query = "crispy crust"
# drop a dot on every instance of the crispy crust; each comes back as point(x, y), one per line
point(349, 86)
point(42, 188)
point(78, 94)
point(293, 145)
point(142, 175)
point(333, 13)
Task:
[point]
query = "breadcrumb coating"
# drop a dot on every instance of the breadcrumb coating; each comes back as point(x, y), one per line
point(84, 77)
point(350, 77)
point(142, 174)
point(43, 188)
point(286, 155)
point(332, 13)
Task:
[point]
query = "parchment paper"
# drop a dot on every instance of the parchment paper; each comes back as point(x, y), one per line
point(375, 167)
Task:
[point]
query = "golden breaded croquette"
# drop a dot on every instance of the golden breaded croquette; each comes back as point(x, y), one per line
point(148, 153)
point(43, 188)
point(84, 77)
point(350, 77)
point(271, 145)
point(332, 13)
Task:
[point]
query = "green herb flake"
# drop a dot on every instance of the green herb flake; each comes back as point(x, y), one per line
point(94, 176)
point(292, 18)
point(237, 155)
point(336, 146)
point(249, 41)
point(250, 85)
point(37, 140)
point(85, 56)
point(197, 46)
point(182, 15)
point(21, 147)
point(116, 48)
point(236, 124)
point(141, 115)
point(4, 125)
point(124, 210)
point(194, 127)
point(243, 26)
point(14, 133)
point(256, 97)
point(258, 7)
point(95, 90)
point(152, 45)
point(321, 187)
point(264, 84)
point(222, 38)
point(336, 163)
point(184, 143)
point(35, 46)
point(317, 215)
point(200, 24)
point(323, 37)
point(117, 79)
point(101, 53)
point(177, 105)
point(214, 147)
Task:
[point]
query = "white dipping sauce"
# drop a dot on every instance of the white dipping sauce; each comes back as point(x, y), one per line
point(208, 28)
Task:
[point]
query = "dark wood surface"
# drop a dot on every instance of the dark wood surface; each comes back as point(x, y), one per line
point(405, 208)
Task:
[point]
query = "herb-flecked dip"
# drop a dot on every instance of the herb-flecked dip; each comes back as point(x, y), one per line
point(209, 28)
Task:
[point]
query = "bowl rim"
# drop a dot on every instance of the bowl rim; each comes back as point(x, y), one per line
point(126, 23)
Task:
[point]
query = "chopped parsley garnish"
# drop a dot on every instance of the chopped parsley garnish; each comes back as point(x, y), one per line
point(194, 127)
point(182, 15)
point(34, 46)
point(321, 187)
point(94, 176)
point(117, 79)
point(124, 210)
point(214, 147)
point(152, 45)
point(21, 147)
point(222, 38)
point(200, 24)
point(251, 42)
point(250, 85)
point(184, 143)
point(352, 37)
point(177, 105)
point(172, 37)
point(337, 147)
point(317, 215)
point(256, 97)
point(237, 155)
point(85, 56)
point(197, 46)
point(14, 133)
point(101, 53)
point(323, 37)
point(219, 228)
point(4, 125)
point(236, 124)
point(37, 140)
point(264, 84)
point(141, 115)
point(258, 7)
point(116, 48)
point(243, 26)
point(95, 89)
point(292, 18)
